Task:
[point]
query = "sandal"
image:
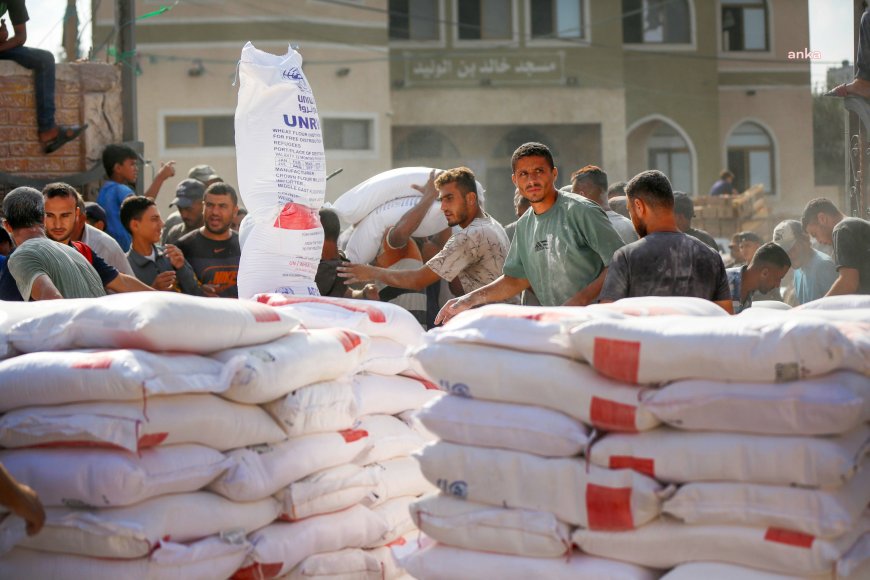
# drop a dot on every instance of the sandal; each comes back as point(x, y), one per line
point(65, 134)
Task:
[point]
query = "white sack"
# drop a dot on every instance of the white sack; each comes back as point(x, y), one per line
point(134, 531)
point(830, 404)
point(280, 547)
point(53, 378)
point(717, 571)
point(317, 408)
point(505, 426)
point(362, 199)
point(386, 357)
point(203, 560)
point(263, 470)
point(581, 494)
point(671, 455)
point(665, 544)
point(391, 395)
point(827, 512)
point(274, 369)
point(397, 513)
point(770, 347)
point(367, 236)
point(389, 438)
point(474, 526)
point(376, 319)
point(153, 321)
point(165, 420)
point(349, 564)
point(90, 478)
point(508, 376)
point(833, 303)
point(399, 477)
point(328, 491)
point(439, 562)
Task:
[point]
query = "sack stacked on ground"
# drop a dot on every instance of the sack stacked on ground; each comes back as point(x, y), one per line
point(120, 443)
point(509, 460)
point(766, 439)
point(379, 202)
point(762, 474)
point(281, 172)
point(343, 477)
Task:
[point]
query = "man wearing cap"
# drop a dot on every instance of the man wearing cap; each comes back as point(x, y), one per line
point(188, 200)
point(204, 173)
point(684, 211)
point(814, 272)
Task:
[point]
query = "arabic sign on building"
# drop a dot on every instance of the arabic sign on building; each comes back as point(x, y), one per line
point(491, 68)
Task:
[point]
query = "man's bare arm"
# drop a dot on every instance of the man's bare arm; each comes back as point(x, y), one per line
point(126, 283)
point(399, 234)
point(846, 283)
point(44, 289)
point(497, 291)
point(590, 293)
point(408, 279)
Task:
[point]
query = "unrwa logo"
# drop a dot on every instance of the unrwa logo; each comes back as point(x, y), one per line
point(294, 74)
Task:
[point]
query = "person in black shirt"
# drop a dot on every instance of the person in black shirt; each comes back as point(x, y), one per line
point(213, 250)
point(851, 240)
point(684, 211)
point(665, 261)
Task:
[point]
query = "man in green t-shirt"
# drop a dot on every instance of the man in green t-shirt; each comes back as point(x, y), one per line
point(561, 249)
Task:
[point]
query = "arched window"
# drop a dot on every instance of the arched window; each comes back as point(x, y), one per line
point(745, 25)
point(750, 157)
point(425, 143)
point(668, 152)
point(656, 22)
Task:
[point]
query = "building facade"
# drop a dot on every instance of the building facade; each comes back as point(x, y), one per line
point(686, 86)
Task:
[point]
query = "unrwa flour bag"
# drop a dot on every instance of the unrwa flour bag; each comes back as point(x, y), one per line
point(281, 172)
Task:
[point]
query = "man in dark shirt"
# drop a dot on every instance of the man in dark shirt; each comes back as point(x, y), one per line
point(213, 249)
point(725, 185)
point(665, 261)
point(851, 240)
point(684, 211)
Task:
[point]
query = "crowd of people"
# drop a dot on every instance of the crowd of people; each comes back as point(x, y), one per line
point(588, 242)
point(56, 245)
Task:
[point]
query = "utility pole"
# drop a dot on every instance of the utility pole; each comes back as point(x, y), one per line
point(125, 22)
point(71, 32)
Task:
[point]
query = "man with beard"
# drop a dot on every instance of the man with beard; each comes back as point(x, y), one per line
point(664, 261)
point(62, 218)
point(474, 255)
point(561, 248)
point(213, 250)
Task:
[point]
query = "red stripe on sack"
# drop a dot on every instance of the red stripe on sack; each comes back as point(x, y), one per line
point(94, 362)
point(374, 314)
point(295, 216)
point(639, 464)
point(263, 313)
point(617, 359)
point(430, 386)
point(349, 340)
point(789, 537)
point(351, 435)
point(152, 439)
point(258, 571)
point(77, 444)
point(612, 416)
point(608, 508)
point(397, 542)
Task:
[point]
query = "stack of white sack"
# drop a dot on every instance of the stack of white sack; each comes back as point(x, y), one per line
point(282, 174)
point(345, 477)
point(513, 432)
point(379, 202)
point(765, 437)
point(113, 415)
